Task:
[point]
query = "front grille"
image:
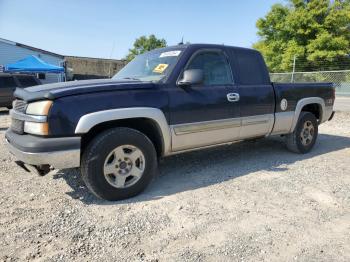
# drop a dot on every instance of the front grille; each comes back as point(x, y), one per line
point(17, 126)
point(19, 105)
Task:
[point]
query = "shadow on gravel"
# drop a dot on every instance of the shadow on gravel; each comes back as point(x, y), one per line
point(198, 169)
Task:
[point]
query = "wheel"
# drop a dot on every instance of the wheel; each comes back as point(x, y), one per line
point(305, 134)
point(119, 163)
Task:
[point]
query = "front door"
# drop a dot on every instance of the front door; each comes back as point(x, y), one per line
point(205, 114)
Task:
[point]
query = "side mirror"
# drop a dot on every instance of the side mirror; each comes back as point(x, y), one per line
point(192, 77)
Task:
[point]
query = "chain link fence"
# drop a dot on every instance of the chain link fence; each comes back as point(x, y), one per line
point(341, 79)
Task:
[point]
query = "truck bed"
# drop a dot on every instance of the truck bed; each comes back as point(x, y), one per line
point(293, 92)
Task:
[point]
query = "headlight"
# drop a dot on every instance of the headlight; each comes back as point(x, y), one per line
point(40, 108)
point(36, 128)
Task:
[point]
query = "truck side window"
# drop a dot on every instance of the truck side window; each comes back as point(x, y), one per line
point(250, 68)
point(215, 67)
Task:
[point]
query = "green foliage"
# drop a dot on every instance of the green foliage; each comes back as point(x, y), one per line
point(144, 44)
point(316, 31)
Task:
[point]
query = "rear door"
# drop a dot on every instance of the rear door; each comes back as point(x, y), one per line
point(202, 115)
point(7, 87)
point(257, 99)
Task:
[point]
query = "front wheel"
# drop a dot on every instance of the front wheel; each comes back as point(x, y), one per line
point(119, 163)
point(305, 134)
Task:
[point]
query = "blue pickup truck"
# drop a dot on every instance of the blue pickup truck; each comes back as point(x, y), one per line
point(164, 102)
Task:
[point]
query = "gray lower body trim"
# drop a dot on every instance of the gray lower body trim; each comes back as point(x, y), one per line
point(210, 133)
point(327, 114)
point(283, 123)
point(254, 126)
point(203, 147)
point(189, 136)
point(183, 129)
point(57, 159)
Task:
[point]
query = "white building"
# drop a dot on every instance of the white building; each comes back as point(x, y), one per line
point(11, 52)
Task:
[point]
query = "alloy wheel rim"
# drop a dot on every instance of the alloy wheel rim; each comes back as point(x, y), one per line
point(124, 166)
point(307, 133)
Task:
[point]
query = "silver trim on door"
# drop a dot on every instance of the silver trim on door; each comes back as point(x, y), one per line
point(207, 133)
point(183, 129)
point(233, 97)
point(199, 134)
point(255, 126)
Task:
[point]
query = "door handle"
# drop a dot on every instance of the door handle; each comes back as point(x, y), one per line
point(233, 97)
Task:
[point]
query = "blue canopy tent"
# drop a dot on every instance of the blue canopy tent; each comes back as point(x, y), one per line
point(32, 64)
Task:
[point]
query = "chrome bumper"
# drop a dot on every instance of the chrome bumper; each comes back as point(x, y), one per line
point(57, 159)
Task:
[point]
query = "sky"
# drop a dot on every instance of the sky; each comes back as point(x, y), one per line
point(107, 28)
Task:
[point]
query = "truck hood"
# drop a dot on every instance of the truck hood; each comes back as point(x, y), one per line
point(57, 90)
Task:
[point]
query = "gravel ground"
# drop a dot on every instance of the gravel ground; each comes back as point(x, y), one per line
point(252, 201)
point(342, 103)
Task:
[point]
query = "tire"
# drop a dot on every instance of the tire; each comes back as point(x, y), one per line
point(299, 141)
point(110, 150)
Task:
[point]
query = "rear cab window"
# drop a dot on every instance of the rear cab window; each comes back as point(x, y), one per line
point(248, 66)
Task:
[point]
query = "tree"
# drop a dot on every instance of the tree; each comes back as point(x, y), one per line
point(317, 32)
point(144, 44)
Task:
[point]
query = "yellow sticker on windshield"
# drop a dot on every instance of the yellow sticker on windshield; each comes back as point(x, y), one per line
point(160, 68)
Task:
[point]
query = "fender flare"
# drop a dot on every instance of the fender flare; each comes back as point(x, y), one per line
point(307, 101)
point(88, 121)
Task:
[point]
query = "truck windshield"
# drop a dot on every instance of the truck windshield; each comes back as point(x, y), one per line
point(152, 66)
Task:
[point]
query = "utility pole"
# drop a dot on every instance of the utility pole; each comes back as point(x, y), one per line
point(292, 79)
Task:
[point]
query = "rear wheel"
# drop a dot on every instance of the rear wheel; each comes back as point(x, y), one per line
point(305, 134)
point(119, 163)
